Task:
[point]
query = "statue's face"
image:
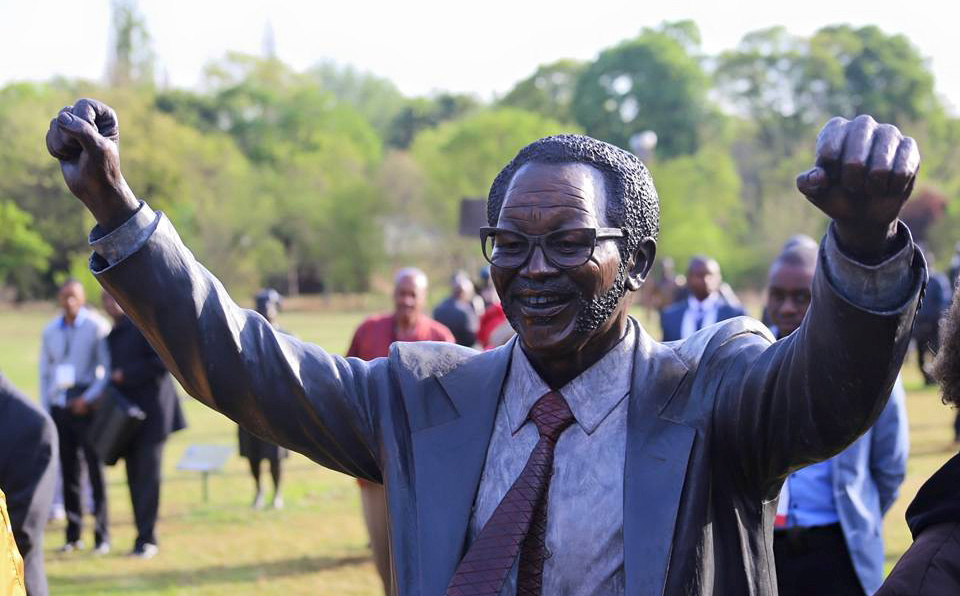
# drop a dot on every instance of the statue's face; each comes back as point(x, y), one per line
point(557, 311)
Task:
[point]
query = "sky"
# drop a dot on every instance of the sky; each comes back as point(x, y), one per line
point(429, 45)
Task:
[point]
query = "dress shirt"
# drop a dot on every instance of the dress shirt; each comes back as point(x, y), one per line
point(709, 308)
point(585, 503)
point(82, 345)
point(811, 496)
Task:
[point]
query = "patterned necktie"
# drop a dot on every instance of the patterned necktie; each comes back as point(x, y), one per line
point(519, 523)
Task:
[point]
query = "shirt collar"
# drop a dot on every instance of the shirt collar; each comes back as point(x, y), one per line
point(710, 302)
point(591, 396)
point(81, 315)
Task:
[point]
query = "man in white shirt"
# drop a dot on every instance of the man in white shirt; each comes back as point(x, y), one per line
point(705, 304)
point(74, 359)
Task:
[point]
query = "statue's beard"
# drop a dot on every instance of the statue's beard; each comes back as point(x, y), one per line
point(593, 313)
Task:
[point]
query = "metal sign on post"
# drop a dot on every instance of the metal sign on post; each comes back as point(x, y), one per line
point(205, 459)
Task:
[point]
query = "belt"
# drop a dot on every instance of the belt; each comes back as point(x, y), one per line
point(800, 539)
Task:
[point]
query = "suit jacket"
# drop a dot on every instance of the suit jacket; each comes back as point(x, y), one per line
point(671, 318)
point(28, 476)
point(866, 480)
point(714, 425)
point(146, 382)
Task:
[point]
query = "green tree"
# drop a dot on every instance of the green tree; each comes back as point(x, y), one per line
point(422, 113)
point(377, 99)
point(700, 208)
point(548, 91)
point(23, 252)
point(460, 159)
point(652, 82)
point(866, 71)
point(765, 79)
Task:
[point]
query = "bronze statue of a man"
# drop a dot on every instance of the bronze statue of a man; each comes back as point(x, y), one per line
point(582, 457)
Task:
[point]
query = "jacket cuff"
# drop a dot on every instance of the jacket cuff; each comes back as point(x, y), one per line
point(128, 238)
point(882, 287)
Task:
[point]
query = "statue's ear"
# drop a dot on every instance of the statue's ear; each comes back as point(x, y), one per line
point(640, 263)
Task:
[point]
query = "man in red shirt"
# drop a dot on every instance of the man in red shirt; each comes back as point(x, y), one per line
point(371, 340)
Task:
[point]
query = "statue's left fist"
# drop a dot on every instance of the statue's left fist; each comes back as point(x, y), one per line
point(863, 175)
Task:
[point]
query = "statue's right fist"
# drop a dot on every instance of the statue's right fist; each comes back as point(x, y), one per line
point(85, 138)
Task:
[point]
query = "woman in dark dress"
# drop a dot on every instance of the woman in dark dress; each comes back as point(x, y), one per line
point(253, 447)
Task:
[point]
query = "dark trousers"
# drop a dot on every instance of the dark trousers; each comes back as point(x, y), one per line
point(144, 461)
point(73, 445)
point(814, 561)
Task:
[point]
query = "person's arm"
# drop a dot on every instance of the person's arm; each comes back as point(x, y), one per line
point(45, 384)
point(805, 398)
point(95, 390)
point(231, 359)
point(29, 480)
point(889, 448)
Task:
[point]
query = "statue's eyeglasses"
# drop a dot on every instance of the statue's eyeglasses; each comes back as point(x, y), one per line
point(564, 249)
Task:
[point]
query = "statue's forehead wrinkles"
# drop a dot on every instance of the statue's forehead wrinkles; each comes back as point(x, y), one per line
point(542, 206)
point(551, 191)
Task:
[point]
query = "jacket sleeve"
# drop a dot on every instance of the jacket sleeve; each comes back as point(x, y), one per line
point(806, 397)
point(232, 360)
point(889, 447)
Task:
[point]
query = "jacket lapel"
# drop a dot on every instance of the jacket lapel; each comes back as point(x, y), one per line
point(449, 460)
point(658, 450)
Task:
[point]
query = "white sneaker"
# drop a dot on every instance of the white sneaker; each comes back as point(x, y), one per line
point(70, 547)
point(145, 551)
point(102, 549)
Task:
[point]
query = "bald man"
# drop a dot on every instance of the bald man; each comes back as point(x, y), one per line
point(372, 340)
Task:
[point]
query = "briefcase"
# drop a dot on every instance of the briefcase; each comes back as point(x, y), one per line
point(115, 422)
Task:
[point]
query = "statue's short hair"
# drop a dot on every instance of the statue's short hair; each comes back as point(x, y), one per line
point(632, 202)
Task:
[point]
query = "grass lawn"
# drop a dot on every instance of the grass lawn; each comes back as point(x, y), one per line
point(317, 544)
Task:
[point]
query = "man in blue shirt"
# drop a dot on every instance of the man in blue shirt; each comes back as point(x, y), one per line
point(828, 536)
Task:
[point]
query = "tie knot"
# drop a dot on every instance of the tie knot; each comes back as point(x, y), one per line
point(552, 415)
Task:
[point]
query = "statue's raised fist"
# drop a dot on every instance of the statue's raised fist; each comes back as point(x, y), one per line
point(863, 175)
point(85, 138)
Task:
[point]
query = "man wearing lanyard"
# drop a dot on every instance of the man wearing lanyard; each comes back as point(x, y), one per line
point(372, 339)
point(74, 359)
point(828, 533)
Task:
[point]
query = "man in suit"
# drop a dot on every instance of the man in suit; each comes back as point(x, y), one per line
point(140, 376)
point(828, 534)
point(28, 476)
point(668, 458)
point(704, 304)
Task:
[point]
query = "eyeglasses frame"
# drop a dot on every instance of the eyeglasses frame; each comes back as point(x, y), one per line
point(535, 240)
